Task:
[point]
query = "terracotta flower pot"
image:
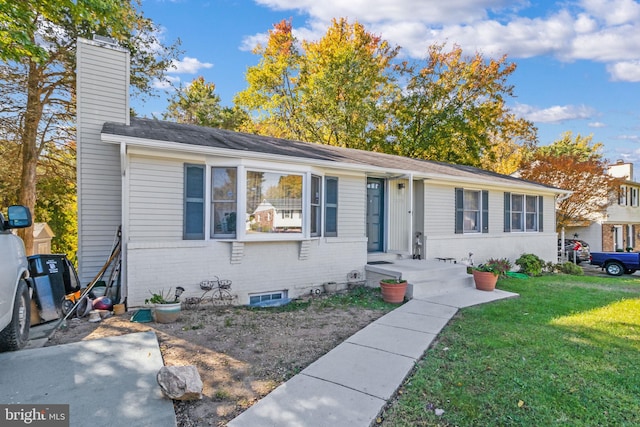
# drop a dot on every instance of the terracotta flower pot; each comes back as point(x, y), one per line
point(485, 280)
point(393, 292)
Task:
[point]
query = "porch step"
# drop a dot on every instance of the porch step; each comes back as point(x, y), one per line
point(440, 284)
point(426, 277)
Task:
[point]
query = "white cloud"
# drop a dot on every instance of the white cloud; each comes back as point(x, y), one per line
point(369, 11)
point(250, 42)
point(628, 71)
point(188, 65)
point(597, 125)
point(613, 12)
point(598, 30)
point(634, 138)
point(554, 114)
point(167, 84)
point(628, 155)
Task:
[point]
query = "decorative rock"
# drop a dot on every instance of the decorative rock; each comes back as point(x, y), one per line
point(180, 382)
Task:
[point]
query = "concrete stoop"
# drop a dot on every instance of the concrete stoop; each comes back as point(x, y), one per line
point(453, 281)
point(426, 277)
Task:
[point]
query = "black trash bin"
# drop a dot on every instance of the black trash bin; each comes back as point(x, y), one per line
point(53, 277)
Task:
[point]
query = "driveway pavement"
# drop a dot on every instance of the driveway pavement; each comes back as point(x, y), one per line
point(106, 382)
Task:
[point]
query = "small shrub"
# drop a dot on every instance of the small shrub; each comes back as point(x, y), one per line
point(530, 264)
point(222, 394)
point(551, 267)
point(570, 268)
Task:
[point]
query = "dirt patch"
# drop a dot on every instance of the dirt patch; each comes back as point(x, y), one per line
point(241, 353)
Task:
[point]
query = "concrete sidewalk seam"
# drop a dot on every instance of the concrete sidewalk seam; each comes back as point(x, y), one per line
point(386, 351)
point(345, 387)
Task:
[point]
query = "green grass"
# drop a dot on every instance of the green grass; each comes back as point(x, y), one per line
point(566, 353)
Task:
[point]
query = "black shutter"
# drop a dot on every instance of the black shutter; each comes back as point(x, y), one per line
point(193, 219)
point(540, 215)
point(485, 211)
point(507, 212)
point(459, 210)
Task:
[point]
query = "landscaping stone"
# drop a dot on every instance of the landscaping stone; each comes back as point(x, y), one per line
point(180, 382)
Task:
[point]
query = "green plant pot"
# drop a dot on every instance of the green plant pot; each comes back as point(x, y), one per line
point(167, 313)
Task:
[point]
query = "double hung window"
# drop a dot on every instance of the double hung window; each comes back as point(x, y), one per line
point(224, 202)
point(472, 211)
point(522, 212)
point(622, 196)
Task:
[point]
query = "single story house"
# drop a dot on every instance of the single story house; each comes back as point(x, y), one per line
point(180, 192)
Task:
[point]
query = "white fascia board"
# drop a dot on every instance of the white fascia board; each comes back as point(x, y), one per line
point(187, 151)
point(488, 185)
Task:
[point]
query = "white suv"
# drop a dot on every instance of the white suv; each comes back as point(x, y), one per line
point(15, 299)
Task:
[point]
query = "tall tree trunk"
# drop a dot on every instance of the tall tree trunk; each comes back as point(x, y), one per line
point(32, 117)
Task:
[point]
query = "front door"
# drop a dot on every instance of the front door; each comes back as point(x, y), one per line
point(375, 214)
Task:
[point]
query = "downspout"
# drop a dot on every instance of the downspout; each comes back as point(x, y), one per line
point(124, 229)
point(411, 219)
point(558, 200)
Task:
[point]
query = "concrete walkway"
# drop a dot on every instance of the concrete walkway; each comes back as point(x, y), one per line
point(350, 385)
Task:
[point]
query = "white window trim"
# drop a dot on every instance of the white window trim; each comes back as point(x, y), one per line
point(622, 198)
point(242, 168)
point(524, 213)
point(478, 228)
point(634, 196)
point(284, 294)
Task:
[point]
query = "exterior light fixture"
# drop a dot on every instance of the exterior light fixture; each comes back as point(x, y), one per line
point(179, 291)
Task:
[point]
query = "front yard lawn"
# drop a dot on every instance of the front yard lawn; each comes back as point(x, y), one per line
point(565, 353)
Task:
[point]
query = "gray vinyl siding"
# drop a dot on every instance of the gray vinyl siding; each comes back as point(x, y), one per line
point(351, 206)
point(439, 210)
point(155, 199)
point(549, 217)
point(102, 85)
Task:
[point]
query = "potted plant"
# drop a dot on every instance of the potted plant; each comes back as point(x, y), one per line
point(393, 290)
point(330, 287)
point(486, 275)
point(166, 307)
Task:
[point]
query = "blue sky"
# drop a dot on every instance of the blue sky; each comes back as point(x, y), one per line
point(578, 62)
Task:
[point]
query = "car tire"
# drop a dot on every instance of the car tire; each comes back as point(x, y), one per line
point(16, 334)
point(614, 268)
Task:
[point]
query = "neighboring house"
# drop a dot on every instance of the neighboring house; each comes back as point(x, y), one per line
point(619, 228)
point(179, 190)
point(283, 215)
